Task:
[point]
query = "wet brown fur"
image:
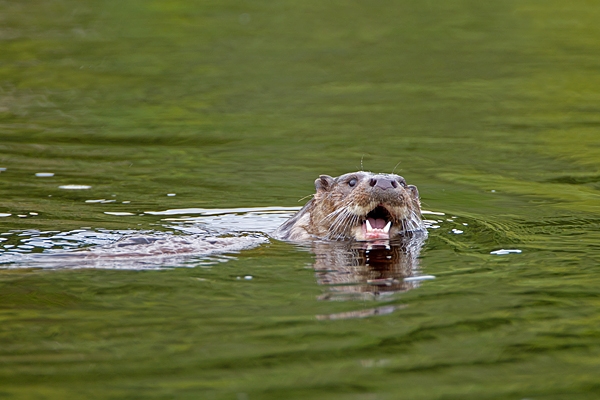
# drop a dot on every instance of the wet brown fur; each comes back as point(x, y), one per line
point(340, 205)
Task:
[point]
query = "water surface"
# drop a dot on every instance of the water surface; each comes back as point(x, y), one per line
point(112, 113)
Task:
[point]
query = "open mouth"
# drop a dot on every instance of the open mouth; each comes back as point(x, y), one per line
point(377, 224)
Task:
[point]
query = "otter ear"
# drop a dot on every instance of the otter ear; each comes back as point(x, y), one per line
point(324, 183)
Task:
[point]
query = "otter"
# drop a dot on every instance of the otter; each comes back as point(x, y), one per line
point(359, 206)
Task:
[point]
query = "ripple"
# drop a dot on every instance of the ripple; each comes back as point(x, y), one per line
point(118, 213)
point(502, 252)
point(194, 237)
point(216, 211)
point(75, 187)
point(419, 278)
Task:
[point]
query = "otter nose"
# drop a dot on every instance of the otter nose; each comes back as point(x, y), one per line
point(383, 183)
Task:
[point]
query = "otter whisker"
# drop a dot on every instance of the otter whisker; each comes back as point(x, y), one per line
point(306, 197)
point(336, 223)
point(340, 209)
point(337, 230)
point(351, 221)
point(341, 223)
point(340, 215)
point(346, 224)
point(335, 212)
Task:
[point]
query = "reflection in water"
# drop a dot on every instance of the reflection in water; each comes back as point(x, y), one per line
point(359, 269)
point(368, 270)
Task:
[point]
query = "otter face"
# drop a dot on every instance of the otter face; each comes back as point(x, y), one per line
point(365, 206)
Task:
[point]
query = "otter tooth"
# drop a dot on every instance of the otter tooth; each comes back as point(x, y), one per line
point(369, 227)
point(387, 227)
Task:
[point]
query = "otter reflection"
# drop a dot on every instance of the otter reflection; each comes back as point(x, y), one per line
point(367, 269)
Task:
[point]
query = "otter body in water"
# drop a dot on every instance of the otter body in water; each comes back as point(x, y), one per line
point(360, 206)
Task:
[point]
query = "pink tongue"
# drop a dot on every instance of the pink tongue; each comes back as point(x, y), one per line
point(377, 223)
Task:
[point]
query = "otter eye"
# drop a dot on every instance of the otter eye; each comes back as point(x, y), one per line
point(352, 182)
point(402, 182)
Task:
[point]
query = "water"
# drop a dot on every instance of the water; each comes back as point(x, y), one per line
point(113, 112)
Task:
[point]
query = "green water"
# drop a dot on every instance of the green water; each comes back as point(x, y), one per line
point(491, 108)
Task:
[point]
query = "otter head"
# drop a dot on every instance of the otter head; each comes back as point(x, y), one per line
point(364, 206)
